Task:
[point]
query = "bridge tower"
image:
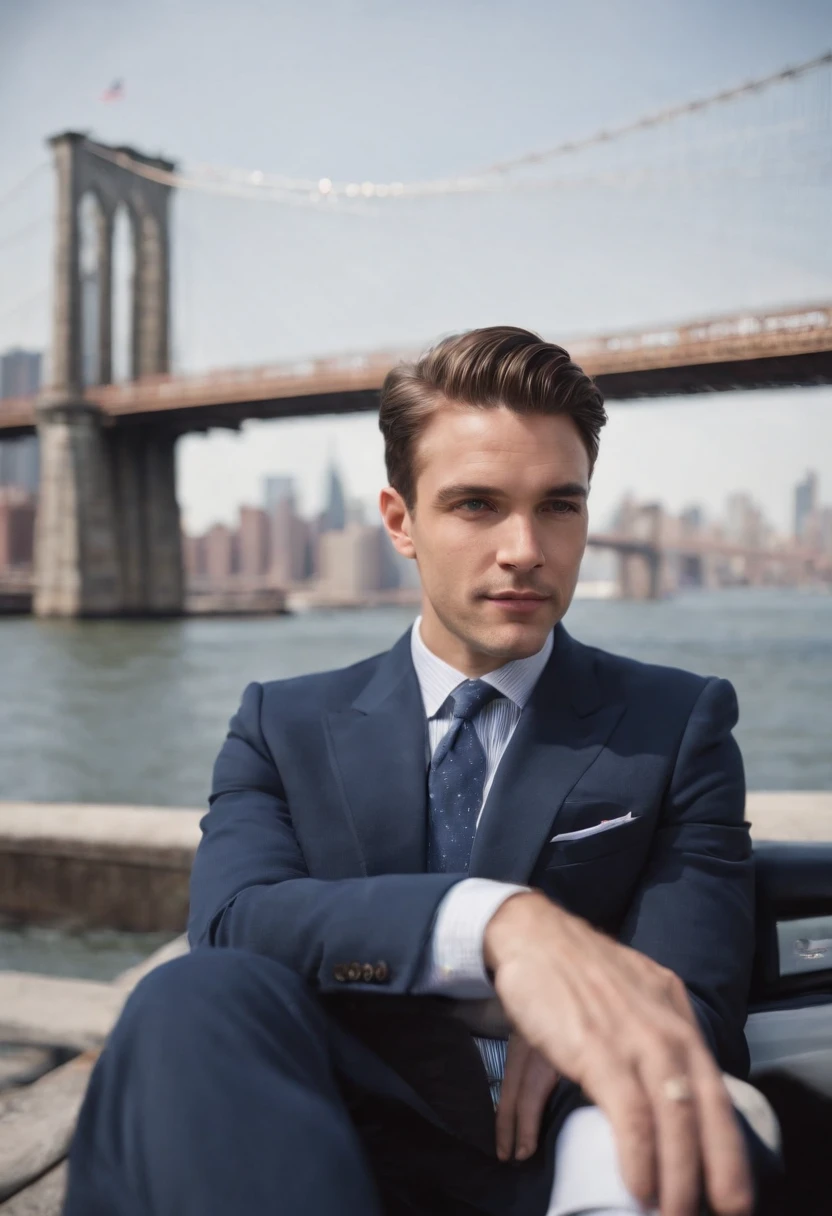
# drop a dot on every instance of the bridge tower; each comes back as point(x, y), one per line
point(108, 535)
point(641, 572)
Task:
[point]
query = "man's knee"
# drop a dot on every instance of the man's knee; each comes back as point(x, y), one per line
point(211, 986)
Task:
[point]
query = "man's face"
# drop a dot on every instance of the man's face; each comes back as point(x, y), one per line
point(498, 531)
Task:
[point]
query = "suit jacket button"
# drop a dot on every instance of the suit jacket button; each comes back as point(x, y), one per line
point(354, 972)
point(368, 972)
point(381, 973)
point(339, 972)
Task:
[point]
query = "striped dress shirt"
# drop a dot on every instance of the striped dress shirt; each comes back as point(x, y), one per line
point(455, 967)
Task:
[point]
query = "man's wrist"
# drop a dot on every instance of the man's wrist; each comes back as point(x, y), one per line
point(454, 965)
point(510, 925)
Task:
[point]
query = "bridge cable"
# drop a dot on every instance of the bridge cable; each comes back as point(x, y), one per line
point(19, 236)
point(22, 182)
point(301, 191)
point(23, 304)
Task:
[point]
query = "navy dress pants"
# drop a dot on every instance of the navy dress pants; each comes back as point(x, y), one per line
point(226, 1088)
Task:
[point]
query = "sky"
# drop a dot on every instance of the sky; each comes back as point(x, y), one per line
point(728, 211)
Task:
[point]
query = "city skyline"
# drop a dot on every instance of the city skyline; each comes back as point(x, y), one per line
point(336, 506)
point(340, 556)
point(791, 431)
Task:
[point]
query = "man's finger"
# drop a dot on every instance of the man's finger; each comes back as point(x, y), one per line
point(675, 1118)
point(727, 1173)
point(516, 1059)
point(539, 1080)
point(613, 1086)
point(505, 1125)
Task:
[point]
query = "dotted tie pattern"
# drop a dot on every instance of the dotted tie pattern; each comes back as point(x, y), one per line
point(456, 781)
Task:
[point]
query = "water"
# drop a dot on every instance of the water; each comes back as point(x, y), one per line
point(135, 712)
point(100, 954)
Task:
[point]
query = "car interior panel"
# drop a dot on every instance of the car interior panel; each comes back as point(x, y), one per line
point(789, 1028)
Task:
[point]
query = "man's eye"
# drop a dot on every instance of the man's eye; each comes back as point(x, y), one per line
point(561, 506)
point(474, 504)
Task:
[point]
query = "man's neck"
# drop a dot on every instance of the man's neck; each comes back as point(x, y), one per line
point(452, 650)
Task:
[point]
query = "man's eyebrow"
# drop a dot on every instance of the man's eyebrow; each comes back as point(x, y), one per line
point(449, 494)
point(568, 489)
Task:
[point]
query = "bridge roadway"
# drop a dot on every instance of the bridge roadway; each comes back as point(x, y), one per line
point(747, 350)
point(705, 546)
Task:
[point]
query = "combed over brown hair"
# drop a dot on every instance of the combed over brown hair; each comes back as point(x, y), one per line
point(499, 365)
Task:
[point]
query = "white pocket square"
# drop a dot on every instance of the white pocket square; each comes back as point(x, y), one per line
point(603, 826)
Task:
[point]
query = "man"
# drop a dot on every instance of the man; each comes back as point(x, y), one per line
point(489, 831)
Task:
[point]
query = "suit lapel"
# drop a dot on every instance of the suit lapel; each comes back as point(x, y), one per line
point(379, 750)
point(561, 731)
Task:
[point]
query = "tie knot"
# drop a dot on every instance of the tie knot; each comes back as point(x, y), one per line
point(471, 697)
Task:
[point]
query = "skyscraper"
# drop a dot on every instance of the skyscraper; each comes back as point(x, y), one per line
point(20, 375)
point(350, 561)
point(276, 490)
point(744, 522)
point(17, 528)
point(20, 372)
point(805, 503)
point(254, 542)
point(290, 545)
point(221, 555)
point(334, 515)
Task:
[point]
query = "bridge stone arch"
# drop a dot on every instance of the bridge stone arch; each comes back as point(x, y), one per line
point(108, 535)
point(122, 363)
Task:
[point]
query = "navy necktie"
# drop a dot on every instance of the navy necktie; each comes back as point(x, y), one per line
point(456, 782)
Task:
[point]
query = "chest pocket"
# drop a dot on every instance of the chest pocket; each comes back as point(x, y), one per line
point(595, 876)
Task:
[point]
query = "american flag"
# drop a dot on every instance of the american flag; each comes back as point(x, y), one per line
point(115, 92)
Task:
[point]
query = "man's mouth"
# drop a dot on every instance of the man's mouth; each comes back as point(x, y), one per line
point(518, 602)
point(523, 596)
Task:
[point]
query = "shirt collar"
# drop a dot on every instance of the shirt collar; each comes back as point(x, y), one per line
point(437, 679)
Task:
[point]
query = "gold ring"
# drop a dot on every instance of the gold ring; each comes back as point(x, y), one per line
point(677, 1089)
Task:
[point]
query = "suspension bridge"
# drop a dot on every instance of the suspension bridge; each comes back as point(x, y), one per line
point(108, 525)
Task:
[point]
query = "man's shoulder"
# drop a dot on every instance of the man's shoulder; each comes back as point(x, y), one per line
point(332, 689)
point(657, 684)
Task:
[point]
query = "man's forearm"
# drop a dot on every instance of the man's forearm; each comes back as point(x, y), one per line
point(354, 933)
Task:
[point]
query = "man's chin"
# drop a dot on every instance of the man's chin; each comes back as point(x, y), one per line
point(511, 640)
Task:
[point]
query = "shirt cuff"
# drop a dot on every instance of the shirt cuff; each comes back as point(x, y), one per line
point(587, 1176)
point(454, 965)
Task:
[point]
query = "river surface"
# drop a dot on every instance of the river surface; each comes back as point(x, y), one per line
point(134, 712)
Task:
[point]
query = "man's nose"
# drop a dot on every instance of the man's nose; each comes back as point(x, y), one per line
point(519, 546)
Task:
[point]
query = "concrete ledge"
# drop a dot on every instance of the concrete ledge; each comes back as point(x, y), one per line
point(43, 1198)
point(37, 1120)
point(127, 867)
point(790, 815)
point(50, 1011)
point(140, 835)
point(93, 866)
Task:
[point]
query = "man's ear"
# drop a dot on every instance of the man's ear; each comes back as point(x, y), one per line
point(396, 519)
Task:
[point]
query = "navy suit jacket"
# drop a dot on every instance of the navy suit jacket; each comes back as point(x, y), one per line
point(313, 851)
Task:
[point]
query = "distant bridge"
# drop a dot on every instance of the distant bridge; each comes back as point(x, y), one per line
point(650, 566)
point(108, 533)
point(746, 350)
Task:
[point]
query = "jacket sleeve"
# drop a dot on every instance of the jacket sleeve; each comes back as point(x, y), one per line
point(251, 889)
point(694, 912)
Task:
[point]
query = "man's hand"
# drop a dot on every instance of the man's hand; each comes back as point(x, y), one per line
point(527, 1084)
point(622, 1028)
